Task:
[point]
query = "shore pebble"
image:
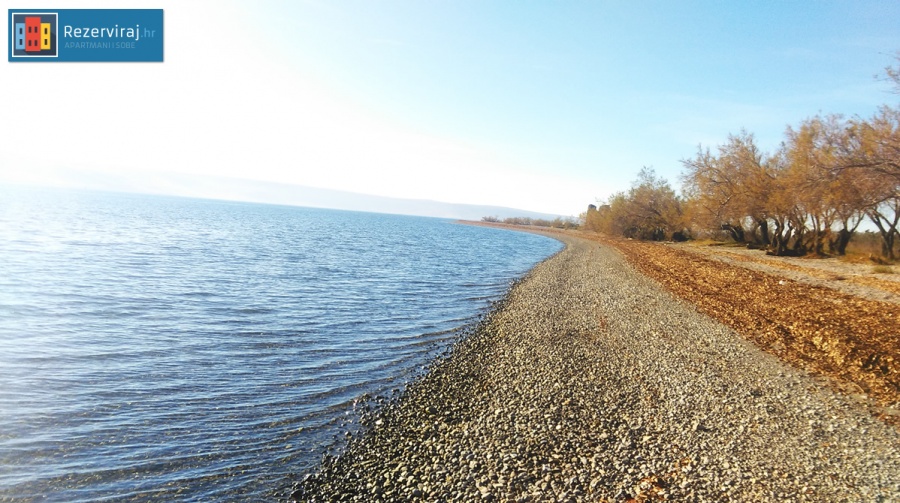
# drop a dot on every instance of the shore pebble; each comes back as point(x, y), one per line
point(591, 383)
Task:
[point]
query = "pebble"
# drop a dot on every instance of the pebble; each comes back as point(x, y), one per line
point(591, 383)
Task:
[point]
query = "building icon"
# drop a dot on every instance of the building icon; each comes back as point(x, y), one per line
point(34, 34)
point(20, 36)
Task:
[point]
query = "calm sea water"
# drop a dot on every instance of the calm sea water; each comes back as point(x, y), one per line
point(168, 349)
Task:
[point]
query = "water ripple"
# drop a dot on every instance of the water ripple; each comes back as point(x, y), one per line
point(162, 348)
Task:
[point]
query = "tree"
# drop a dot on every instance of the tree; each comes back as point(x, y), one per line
point(592, 218)
point(649, 210)
point(731, 189)
point(886, 216)
point(713, 193)
point(877, 143)
point(828, 176)
point(874, 162)
point(830, 197)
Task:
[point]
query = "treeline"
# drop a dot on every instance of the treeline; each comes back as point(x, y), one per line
point(557, 223)
point(810, 196)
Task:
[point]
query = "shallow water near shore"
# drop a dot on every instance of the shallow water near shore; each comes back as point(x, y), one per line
point(166, 348)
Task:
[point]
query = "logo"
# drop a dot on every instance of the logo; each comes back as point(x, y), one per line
point(85, 35)
point(34, 34)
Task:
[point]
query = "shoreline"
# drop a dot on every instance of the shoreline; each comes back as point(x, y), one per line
point(834, 320)
point(590, 382)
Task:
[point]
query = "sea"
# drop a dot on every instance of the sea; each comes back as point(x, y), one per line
point(158, 348)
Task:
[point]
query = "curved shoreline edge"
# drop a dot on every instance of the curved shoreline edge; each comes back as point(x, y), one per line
point(589, 382)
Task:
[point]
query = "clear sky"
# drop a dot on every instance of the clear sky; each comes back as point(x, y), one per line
point(541, 105)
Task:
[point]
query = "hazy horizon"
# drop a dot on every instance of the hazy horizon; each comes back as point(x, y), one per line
point(250, 191)
point(544, 106)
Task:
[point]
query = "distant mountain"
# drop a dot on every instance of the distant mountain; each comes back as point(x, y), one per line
point(209, 187)
point(298, 195)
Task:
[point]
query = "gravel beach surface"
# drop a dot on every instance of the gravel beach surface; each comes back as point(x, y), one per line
point(591, 383)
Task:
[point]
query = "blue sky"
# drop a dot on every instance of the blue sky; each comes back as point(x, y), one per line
point(545, 106)
point(581, 82)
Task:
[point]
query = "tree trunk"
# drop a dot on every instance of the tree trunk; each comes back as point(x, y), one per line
point(887, 230)
point(800, 247)
point(736, 232)
point(887, 245)
point(839, 244)
point(764, 231)
point(780, 239)
point(819, 243)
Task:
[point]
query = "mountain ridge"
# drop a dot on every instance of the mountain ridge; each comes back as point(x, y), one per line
point(236, 189)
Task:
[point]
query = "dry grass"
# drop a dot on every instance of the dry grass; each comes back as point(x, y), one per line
point(865, 248)
point(883, 269)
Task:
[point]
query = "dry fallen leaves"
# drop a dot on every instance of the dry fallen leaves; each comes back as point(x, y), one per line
point(853, 342)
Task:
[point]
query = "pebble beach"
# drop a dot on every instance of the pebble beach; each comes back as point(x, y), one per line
point(589, 382)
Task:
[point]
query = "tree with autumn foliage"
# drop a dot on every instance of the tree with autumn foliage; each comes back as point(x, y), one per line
point(650, 209)
point(875, 163)
point(729, 190)
point(830, 201)
point(811, 195)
